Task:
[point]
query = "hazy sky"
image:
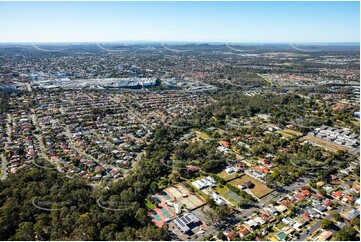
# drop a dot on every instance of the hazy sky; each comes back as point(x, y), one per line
point(180, 21)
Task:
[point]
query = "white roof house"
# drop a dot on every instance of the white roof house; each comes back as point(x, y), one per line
point(259, 220)
point(198, 184)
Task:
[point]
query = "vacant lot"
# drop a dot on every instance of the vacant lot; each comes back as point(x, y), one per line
point(324, 143)
point(259, 190)
point(289, 133)
point(292, 132)
point(284, 134)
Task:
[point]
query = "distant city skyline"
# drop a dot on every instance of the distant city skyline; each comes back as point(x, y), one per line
point(261, 22)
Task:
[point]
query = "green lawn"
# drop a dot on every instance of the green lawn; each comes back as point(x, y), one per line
point(273, 230)
point(280, 225)
point(228, 177)
point(222, 191)
point(202, 135)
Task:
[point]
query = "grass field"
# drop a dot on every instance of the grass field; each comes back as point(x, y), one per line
point(284, 134)
point(223, 191)
point(324, 143)
point(228, 177)
point(202, 135)
point(289, 133)
point(292, 132)
point(259, 190)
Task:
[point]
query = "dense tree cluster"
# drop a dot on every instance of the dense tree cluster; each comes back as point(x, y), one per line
point(347, 233)
point(236, 76)
point(40, 204)
point(4, 102)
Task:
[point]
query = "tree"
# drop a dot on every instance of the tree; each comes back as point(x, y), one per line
point(347, 233)
point(326, 223)
point(356, 222)
point(208, 237)
point(211, 202)
point(213, 166)
point(41, 227)
point(24, 232)
point(322, 192)
point(221, 236)
point(141, 216)
point(78, 217)
point(219, 214)
point(154, 186)
point(244, 203)
point(108, 232)
point(336, 216)
point(293, 211)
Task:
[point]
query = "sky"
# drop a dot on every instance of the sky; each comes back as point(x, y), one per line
point(180, 21)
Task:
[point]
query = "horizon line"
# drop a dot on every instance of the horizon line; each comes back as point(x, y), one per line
point(180, 41)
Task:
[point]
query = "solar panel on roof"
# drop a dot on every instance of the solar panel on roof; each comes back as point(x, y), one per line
point(179, 222)
point(186, 219)
point(182, 227)
point(193, 217)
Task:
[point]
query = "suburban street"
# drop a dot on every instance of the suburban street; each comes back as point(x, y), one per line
point(312, 229)
point(39, 137)
point(3, 167)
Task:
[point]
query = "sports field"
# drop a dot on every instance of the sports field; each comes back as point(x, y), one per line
point(157, 199)
point(156, 217)
point(176, 194)
point(177, 191)
point(233, 197)
point(165, 195)
point(228, 195)
point(159, 215)
point(191, 202)
point(166, 213)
